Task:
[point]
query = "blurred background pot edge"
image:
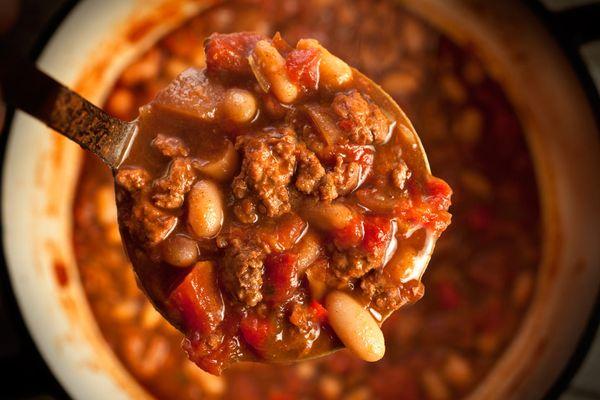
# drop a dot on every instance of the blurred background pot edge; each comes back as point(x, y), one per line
point(99, 38)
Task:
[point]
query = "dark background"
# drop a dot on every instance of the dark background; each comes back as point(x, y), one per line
point(26, 25)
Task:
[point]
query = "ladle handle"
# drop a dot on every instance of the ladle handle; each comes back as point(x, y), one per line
point(31, 90)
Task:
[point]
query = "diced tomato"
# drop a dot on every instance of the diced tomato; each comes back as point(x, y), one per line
point(281, 277)
point(349, 236)
point(228, 53)
point(283, 232)
point(438, 193)
point(303, 68)
point(377, 234)
point(212, 360)
point(289, 229)
point(448, 295)
point(255, 331)
point(319, 310)
point(198, 299)
point(362, 154)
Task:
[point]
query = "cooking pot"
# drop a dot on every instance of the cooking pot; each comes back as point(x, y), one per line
point(99, 38)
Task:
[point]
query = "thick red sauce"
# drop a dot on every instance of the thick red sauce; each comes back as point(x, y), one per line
point(480, 279)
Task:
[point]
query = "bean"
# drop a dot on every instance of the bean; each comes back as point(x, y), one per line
point(205, 209)
point(327, 216)
point(145, 69)
point(223, 168)
point(125, 310)
point(522, 288)
point(239, 105)
point(334, 73)
point(434, 386)
point(316, 275)
point(145, 355)
point(453, 89)
point(106, 207)
point(355, 326)
point(149, 317)
point(330, 387)
point(308, 251)
point(272, 65)
point(179, 251)
point(468, 125)
point(121, 103)
point(458, 371)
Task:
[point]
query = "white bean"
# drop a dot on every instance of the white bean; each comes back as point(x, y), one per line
point(272, 65)
point(355, 326)
point(239, 105)
point(316, 275)
point(334, 73)
point(327, 216)
point(205, 209)
point(308, 250)
point(223, 168)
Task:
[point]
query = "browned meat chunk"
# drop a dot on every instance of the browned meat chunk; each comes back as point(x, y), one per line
point(242, 274)
point(312, 177)
point(360, 118)
point(150, 224)
point(345, 176)
point(387, 297)
point(132, 178)
point(170, 146)
point(306, 321)
point(310, 171)
point(169, 191)
point(400, 174)
point(268, 164)
point(351, 264)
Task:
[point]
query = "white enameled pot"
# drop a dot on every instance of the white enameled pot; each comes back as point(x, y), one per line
point(100, 37)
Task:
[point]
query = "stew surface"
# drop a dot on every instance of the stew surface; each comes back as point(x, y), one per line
point(480, 279)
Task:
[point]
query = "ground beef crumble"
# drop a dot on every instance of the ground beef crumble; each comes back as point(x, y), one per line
point(269, 161)
point(170, 146)
point(363, 120)
point(150, 223)
point(242, 271)
point(170, 190)
point(133, 179)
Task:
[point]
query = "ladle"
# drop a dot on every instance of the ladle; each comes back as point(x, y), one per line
point(31, 90)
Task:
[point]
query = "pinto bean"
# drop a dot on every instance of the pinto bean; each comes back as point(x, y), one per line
point(239, 105)
point(205, 209)
point(179, 251)
point(271, 64)
point(334, 73)
point(224, 167)
point(355, 326)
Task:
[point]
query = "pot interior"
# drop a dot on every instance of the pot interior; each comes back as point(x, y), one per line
point(494, 283)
